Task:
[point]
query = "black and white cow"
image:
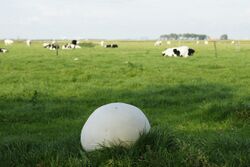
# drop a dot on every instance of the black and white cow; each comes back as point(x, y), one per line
point(107, 46)
point(111, 46)
point(46, 45)
point(114, 46)
point(182, 51)
point(54, 46)
point(67, 46)
point(3, 50)
point(73, 45)
point(51, 46)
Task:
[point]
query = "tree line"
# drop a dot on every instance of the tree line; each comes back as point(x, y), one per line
point(189, 36)
point(186, 36)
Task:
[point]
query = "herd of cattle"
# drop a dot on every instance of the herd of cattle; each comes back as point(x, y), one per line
point(183, 51)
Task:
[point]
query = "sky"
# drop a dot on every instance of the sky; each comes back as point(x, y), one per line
point(123, 19)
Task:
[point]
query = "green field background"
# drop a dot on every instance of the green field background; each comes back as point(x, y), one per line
point(198, 107)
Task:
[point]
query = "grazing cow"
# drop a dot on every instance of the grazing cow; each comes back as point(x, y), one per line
point(3, 50)
point(28, 43)
point(183, 51)
point(158, 43)
point(8, 42)
point(169, 42)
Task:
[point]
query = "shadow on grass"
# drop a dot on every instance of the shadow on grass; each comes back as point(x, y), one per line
point(151, 99)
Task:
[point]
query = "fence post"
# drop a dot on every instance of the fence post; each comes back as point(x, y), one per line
point(57, 48)
point(215, 49)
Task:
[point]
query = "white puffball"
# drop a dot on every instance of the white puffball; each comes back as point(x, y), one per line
point(115, 123)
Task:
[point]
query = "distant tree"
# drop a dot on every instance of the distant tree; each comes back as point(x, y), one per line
point(203, 37)
point(224, 37)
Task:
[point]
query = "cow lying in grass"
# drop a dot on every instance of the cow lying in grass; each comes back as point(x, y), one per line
point(183, 51)
point(71, 46)
point(51, 46)
point(3, 50)
point(111, 46)
point(158, 43)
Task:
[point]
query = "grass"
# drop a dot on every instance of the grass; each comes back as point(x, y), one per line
point(199, 108)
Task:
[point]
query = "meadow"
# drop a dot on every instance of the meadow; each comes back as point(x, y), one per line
point(198, 107)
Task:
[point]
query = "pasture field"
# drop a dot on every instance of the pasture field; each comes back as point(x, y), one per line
point(198, 107)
